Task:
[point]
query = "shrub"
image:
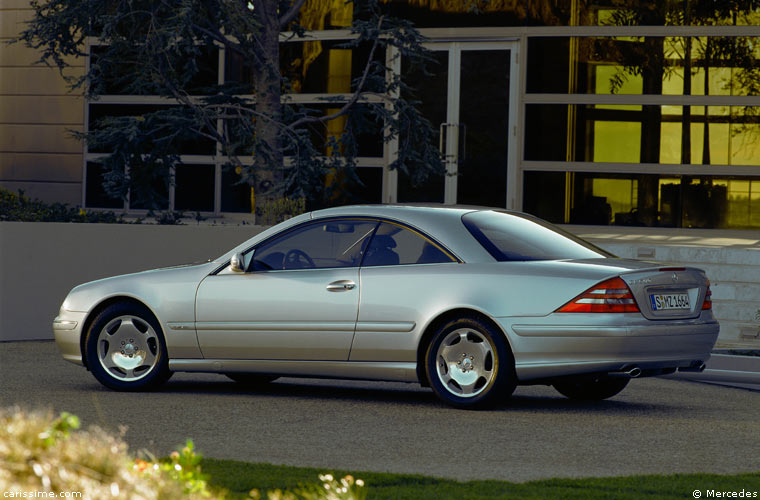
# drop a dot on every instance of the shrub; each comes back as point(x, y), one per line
point(42, 456)
point(280, 209)
point(18, 207)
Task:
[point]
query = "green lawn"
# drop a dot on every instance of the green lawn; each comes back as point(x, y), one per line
point(240, 477)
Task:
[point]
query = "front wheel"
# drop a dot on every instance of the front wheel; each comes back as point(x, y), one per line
point(593, 388)
point(469, 364)
point(125, 348)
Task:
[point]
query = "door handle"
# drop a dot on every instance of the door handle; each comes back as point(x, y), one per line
point(341, 286)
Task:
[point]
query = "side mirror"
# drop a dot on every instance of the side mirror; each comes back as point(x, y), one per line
point(237, 263)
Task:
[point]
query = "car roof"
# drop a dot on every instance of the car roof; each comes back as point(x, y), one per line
point(441, 222)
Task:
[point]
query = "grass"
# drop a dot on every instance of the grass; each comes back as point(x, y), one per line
point(240, 477)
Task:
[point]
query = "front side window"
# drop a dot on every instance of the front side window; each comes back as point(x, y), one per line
point(316, 245)
point(393, 244)
point(520, 237)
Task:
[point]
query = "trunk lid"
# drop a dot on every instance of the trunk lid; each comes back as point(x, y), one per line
point(668, 292)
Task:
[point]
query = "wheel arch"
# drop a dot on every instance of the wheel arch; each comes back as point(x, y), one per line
point(439, 321)
point(100, 307)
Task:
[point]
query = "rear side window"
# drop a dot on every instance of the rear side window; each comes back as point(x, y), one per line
point(393, 245)
point(515, 237)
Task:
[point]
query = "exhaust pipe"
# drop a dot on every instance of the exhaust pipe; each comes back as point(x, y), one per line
point(631, 372)
point(698, 369)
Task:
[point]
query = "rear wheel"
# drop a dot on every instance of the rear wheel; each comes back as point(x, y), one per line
point(593, 388)
point(125, 348)
point(469, 364)
point(252, 379)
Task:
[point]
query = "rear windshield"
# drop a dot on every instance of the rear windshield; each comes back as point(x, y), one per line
point(510, 236)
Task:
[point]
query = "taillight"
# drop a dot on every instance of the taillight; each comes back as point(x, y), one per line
point(611, 296)
point(707, 304)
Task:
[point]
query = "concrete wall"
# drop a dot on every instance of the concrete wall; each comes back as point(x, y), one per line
point(41, 262)
point(37, 111)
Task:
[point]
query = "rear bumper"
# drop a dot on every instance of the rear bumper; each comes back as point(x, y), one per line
point(569, 344)
point(67, 330)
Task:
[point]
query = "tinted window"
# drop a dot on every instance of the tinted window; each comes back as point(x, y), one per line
point(393, 244)
point(334, 243)
point(509, 236)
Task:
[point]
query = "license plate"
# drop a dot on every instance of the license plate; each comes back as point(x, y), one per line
point(669, 301)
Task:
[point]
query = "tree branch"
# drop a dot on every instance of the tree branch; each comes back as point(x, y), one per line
point(357, 94)
point(286, 18)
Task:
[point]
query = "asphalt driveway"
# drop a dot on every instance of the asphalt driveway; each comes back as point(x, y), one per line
point(655, 426)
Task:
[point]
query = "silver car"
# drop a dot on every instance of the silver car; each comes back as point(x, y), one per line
point(468, 301)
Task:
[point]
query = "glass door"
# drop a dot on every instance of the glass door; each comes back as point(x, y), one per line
point(466, 95)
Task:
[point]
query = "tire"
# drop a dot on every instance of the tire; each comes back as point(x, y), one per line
point(595, 388)
point(252, 379)
point(469, 364)
point(125, 348)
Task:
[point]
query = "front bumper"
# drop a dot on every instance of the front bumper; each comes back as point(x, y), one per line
point(67, 329)
point(570, 344)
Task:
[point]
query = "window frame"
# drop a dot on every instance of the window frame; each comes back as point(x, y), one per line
point(377, 220)
point(218, 159)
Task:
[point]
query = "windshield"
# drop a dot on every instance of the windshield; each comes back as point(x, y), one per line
point(512, 236)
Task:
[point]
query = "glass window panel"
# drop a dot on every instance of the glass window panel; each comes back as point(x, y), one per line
point(393, 244)
point(95, 195)
point(430, 13)
point(544, 195)
point(618, 142)
point(236, 196)
point(365, 126)
point(745, 144)
point(520, 237)
point(430, 90)
point(183, 144)
point(194, 188)
point(322, 15)
point(344, 187)
point(643, 65)
point(434, 14)
point(482, 169)
point(334, 243)
point(371, 188)
point(644, 199)
point(119, 79)
point(320, 67)
point(546, 132)
point(652, 135)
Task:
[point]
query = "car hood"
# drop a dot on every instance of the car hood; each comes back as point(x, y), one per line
point(137, 285)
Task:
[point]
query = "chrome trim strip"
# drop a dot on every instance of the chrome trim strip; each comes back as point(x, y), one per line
point(280, 326)
point(64, 324)
point(667, 329)
point(359, 370)
point(385, 326)
point(181, 326)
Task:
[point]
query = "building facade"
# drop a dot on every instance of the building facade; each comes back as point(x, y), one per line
point(611, 112)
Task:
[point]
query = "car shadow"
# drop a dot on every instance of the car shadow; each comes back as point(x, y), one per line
point(405, 394)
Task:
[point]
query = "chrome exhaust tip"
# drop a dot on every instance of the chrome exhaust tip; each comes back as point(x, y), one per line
point(697, 368)
point(630, 371)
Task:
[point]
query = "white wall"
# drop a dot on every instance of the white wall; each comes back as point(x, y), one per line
point(40, 262)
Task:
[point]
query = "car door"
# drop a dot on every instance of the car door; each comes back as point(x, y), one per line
point(403, 275)
point(297, 300)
